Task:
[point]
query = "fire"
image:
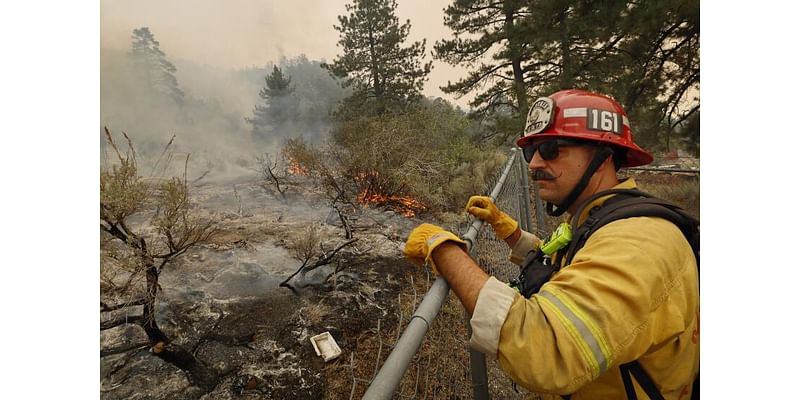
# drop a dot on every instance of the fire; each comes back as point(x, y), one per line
point(373, 194)
point(362, 176)
point(295, 168)
point(403, 205)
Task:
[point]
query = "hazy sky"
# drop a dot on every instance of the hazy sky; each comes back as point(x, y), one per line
point(240, 33)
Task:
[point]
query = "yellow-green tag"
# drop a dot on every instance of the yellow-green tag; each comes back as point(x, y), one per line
point(560, 238)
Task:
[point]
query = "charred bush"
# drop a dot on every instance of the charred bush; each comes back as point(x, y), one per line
point(420, 159)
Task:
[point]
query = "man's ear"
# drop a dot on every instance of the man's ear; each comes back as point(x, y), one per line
point(607, 163)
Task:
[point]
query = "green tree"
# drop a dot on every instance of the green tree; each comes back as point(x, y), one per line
point(659, 83)
point(490, 41)
point(646, 55)
point(278, 104)
point(318, 95)
point(152, 65)
point(374, 64)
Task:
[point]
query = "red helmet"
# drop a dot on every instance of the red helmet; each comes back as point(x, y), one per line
point(578, 114)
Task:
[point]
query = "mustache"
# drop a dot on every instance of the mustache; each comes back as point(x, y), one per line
point(542, 175)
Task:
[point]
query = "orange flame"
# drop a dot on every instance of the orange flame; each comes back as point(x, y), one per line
point(403, 205)
point(296, 169)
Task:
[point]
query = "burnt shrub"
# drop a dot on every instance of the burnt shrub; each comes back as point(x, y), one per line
point(426, 153)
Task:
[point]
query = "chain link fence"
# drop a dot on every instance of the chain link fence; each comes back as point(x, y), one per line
point(430, 343)
point(491, 253)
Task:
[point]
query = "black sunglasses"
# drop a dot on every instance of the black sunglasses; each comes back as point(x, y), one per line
point(547, 149)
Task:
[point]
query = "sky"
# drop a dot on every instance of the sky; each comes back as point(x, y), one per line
point(246, 33)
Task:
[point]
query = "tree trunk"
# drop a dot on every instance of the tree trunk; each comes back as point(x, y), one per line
point(516, 65)
point(149, 312)
point(348, 232)
point(377, 84)
point(566, 80)
point(198, 373)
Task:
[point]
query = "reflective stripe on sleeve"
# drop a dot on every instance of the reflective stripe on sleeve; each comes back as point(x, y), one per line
point(591, 341)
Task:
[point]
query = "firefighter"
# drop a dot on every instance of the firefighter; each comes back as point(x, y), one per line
point(628, 296)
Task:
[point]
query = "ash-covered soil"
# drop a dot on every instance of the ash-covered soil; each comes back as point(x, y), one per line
point(222, 303)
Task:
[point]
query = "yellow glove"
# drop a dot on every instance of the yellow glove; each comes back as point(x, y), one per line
point(483, 208)
point(423, 239)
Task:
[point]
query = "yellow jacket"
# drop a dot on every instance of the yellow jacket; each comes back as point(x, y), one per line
point(632, 292)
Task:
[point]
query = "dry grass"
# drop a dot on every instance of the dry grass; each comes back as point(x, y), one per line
point(441, 367)
point(439, 370)
point(304, 243)
point(683, 190)
point(314, 314)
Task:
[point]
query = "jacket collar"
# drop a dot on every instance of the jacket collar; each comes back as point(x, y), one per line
point(628, 183)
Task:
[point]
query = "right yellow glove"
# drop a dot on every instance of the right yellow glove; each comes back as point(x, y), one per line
point(483, 207)
point(424, 239)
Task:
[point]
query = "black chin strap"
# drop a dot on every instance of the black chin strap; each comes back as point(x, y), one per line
point(602, 154)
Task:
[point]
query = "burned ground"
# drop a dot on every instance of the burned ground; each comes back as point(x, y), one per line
point(222, 304)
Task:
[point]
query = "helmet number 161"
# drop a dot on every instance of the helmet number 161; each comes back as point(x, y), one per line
point(603, 120)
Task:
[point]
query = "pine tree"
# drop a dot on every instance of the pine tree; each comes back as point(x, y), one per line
point(660, 83)
point(373, 63)
point(152, 65)
point(278, 103)
point(645, 55)
point(490, 29)
point(278, 85)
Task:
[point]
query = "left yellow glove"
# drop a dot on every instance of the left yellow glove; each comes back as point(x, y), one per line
point(424, 239)
point(483, 207)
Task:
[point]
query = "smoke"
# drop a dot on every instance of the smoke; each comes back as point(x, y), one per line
point(228, 34)
point(209, 123)
point(202, 126)
point(222, 51)
point(254, 33)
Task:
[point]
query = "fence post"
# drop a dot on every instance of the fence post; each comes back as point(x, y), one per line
point(388, 378)
point(525, 197)
point(477, 360)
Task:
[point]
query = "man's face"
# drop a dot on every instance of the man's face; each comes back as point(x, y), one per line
point(557, 177)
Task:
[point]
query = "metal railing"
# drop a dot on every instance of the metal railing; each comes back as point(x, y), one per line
point(511, 194)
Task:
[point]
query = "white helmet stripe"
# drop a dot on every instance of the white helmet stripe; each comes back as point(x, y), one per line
point(575, 112)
